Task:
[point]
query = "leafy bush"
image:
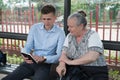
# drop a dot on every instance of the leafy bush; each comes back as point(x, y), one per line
point(14, 59)
point(114, 74)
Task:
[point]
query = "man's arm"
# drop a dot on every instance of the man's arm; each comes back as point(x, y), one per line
point(29, 43)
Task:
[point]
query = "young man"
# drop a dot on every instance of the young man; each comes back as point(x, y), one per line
point(46, 39)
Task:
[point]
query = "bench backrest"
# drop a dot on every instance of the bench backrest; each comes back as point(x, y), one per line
point(109, 45)
point(10, 35)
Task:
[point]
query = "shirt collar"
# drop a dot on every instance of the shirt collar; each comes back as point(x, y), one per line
point(52, 30)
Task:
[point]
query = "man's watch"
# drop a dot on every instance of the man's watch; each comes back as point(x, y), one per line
point(44, 58)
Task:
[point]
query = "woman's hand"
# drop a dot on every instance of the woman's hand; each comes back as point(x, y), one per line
point(61, 69)
point(65, 59)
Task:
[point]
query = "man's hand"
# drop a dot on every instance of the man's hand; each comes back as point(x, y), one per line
point(27, 60)
point(38, 59)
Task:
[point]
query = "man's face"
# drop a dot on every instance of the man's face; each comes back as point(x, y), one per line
point(48, 20)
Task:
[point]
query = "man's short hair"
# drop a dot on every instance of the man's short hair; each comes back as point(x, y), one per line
point(48, 8)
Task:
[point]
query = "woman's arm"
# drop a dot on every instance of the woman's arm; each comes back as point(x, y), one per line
point(89, 57)
point(61, 68)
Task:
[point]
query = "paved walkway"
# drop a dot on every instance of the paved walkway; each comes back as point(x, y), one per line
point(3, 75)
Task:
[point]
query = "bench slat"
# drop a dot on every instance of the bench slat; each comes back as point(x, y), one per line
point(10, 35)
point(111, 45)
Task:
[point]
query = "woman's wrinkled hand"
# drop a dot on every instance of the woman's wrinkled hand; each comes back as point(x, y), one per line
point(65, 59)
point(61, 70)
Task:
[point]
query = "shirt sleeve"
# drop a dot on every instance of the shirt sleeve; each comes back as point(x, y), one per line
point(95, 43)
point(66, 42)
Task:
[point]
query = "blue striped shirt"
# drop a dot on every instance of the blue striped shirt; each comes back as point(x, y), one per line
point(45, 43)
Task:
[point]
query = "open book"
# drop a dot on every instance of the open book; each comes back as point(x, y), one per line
point(29, 56)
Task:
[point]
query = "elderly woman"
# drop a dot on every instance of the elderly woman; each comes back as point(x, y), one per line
point(82, 55)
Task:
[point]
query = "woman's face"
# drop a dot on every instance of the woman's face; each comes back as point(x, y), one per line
point(73, 28)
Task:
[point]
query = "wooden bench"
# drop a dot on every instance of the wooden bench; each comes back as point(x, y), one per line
point(109, 45)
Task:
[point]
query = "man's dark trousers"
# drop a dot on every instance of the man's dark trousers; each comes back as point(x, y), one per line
point(38, 71)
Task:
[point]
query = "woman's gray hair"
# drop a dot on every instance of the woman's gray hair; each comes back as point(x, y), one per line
point(80, 18)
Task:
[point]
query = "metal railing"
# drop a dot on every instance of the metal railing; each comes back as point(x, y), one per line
point(20, 23)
